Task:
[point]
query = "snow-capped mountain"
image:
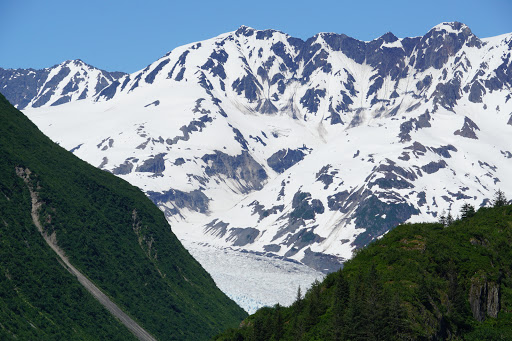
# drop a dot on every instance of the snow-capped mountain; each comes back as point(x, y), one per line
point(303, 150)
point(69, 81)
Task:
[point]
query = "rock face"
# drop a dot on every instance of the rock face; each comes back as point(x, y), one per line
point(226, 135)
point(484, 298)
point(284, 159)
point(468, 129)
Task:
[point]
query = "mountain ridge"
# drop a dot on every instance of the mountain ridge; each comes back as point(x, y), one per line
point(109, 231)
point(303, 149)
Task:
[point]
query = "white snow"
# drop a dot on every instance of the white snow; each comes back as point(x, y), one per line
point(369, 130)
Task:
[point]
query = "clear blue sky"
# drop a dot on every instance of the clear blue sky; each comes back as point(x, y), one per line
point(127, 35)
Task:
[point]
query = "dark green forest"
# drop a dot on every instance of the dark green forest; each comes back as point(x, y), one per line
point(427, 281)
point(111, 232)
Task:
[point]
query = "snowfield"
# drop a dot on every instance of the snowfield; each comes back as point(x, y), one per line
point(274, 158)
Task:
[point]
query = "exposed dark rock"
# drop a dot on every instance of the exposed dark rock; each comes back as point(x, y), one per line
point(444, 151)
point(62, 100)
point(433, 167)
point(438, 45)
point(459, 196)
point(391, 167)
point(103, 162)
point(262, 35)
point(124, 168)
point(195, 200)
point(337, 202)
point(319, 61)
point(155, 103)
point(322, 262)
point(484, 298)
point(335, 116)
point(240, 138)
point(447, 94)
point(311, 99)
point(284, 159)
point(476, 93)
point(352, 48)
point(242, 236)
point(423, 121)
point(421, 198)
point(244, 31)
point(180, 62)
point(377, 84)
point(180, 75)
point(404, 156)
point(326, 177)
point(507, 154)
point(151, 76)
point(424, 83)
point(179, 161)
point(264, 213)
point(249, 85)
point(215, 67)
point(405, 129)
point(195, 125)
point(72, 150)
point(266, 107)
point(304, 208)
point(144, 144)
point(280, 50)
point(272, 248)
point(109, 91)
point(153, 165)
point(502, 74)
point(136, 81)
point(217, 228)
point(301, 239)
point(468, 129)
point(243, 168)
point(377, 217)
point(417, 148)
point(493, 299)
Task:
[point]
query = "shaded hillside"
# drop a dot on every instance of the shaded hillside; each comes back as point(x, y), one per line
point(420, 281)
point(110, 232)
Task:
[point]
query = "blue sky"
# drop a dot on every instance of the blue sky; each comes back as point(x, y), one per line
point(127, 35)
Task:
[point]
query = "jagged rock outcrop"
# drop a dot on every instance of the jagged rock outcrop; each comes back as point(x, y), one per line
point(484, 298)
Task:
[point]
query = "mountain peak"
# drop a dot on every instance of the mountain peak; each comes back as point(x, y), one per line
point(76, 62)
point(245, 31)
point(388, 37)
point(452, 27)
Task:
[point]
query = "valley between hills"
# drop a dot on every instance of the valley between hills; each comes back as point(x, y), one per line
point(232, 171)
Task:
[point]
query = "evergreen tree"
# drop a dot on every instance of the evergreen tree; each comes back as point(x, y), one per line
point(298, 300)
point(278, 327)
point(314, 308)
point(341, 296)
point(449, 218)
point(394, 321)
point(499, 199)
point(374, 307)
point(467, 211)
point(442, 218)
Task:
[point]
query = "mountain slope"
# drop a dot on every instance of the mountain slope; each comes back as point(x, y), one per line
point(69, 81)
point(109, 231)
point(420, 281)
point(304, 149)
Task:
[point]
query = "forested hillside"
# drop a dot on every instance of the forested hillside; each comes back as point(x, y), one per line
point(420, 281)
point(111, 232)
